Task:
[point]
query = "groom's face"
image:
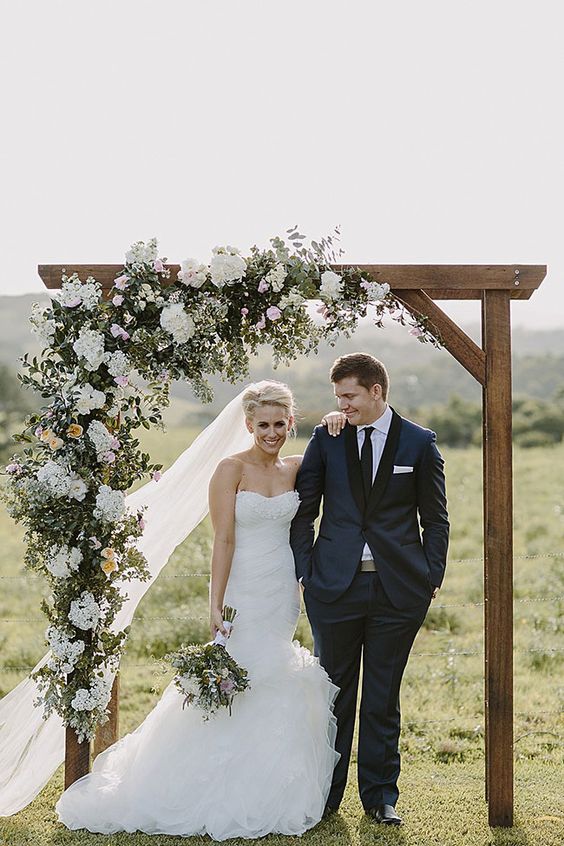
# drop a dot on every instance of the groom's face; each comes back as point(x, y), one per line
point(361, 405)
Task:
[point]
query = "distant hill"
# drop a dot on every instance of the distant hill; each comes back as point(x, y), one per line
point(420, 374)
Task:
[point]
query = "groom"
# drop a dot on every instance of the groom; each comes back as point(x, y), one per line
point(371, 573)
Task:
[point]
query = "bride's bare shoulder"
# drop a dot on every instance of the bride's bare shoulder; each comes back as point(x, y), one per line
point(293, 461)
point(230, 469)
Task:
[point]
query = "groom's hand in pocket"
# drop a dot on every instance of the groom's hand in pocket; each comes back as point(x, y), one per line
point(335, 422)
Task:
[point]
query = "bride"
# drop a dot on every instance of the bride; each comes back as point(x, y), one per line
point(267, 768)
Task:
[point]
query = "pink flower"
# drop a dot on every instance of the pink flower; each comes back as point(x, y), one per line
point(164, 374)
point(273, 313)
point(74, 302)
point(13, 468)
point(142, 524)
point(244, 311)
point(262, 323)
point(118, 332)
point(118, 299)
point(38, 431)
point(114, 443)
point(94, 543)
point(121, 282)
point(122, 381)
point(263, 286)
point(158, 265)
point(157, 475)
point(416, 331)
point(227, 685)
point(109, 457)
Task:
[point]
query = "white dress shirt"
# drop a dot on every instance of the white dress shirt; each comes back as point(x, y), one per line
point(378, 438)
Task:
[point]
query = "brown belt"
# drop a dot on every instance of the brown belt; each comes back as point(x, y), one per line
point(368, 566)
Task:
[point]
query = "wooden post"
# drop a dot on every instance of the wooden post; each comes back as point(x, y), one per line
point(498, 557)
point(109, 732)
point(77, 757)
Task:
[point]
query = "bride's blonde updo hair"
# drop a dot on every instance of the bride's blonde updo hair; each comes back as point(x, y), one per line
point(268, 392)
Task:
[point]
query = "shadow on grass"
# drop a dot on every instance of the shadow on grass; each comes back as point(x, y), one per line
point(514, 836)
point(388, 835)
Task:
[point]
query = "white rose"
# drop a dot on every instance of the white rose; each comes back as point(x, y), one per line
point(192, 273)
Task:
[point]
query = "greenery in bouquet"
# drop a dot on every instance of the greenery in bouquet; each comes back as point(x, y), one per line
point(206, 674)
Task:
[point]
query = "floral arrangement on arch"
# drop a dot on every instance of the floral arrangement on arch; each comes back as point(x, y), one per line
point(105, 371)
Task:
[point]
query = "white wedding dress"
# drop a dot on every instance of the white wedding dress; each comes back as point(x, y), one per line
point(266, 768)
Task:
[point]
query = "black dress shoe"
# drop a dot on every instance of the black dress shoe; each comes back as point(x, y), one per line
point(385, 814)
point(329, 811)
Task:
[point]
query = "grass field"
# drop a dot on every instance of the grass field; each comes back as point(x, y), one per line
point(442, 741)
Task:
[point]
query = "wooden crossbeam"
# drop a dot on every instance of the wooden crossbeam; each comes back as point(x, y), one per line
point(441, 281)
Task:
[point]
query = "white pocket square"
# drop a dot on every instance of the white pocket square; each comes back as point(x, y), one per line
point(399, 469)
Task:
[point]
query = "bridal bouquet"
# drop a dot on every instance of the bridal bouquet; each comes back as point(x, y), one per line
point(206, 674)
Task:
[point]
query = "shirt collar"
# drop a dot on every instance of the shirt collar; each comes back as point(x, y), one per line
point(382, 424)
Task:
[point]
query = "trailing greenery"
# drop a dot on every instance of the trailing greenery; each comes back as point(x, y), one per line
point(105, 371)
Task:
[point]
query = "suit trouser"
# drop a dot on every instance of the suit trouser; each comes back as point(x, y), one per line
point(363, 622)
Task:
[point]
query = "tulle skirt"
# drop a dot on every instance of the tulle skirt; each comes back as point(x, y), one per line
point(265, 768)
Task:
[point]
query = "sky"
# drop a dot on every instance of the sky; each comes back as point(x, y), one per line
point(431, 132)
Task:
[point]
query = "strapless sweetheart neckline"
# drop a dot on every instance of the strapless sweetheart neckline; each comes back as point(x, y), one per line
point(263, 496)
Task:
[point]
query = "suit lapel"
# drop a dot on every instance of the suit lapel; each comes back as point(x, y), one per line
point(353, 466)
point(386, 464)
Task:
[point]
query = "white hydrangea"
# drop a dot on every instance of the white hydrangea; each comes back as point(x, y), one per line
point(61, 560)
point(189, 685)
point(82, 701)
point(90, 346)
point(177, 323)
point(147, 293)
point(42, 323)
point(141, 253)
point(66, 651)
point(376, 290)
point(276, 277)
point(291, 300)
point(227, 266)
point(192, 273)
point(88, 398)
point(85, 611)
point(54, 479)
point(331, 285)
point(110, 504)
point(74, 292)
point(118, 363)
point(100, 436)
point(97, 696)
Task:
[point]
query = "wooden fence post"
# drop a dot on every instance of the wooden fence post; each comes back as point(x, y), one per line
point(498, 556)
point(77, 757)
point(109, 732)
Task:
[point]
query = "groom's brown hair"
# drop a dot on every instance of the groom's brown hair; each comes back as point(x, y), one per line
point(367, 370)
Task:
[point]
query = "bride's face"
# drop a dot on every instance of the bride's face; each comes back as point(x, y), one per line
point(270, 427)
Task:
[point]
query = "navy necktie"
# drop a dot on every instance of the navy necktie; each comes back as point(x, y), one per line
point(366, 461)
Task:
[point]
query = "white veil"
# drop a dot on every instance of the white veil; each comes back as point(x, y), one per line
point(32, 748)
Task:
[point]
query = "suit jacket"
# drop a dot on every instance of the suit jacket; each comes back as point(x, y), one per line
point(404, 522)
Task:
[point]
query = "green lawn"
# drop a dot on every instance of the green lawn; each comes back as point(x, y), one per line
point(442, 741)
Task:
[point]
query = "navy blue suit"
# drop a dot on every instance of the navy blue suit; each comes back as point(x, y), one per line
point(404, 521)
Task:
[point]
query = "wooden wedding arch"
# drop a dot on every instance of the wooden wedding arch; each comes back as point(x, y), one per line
point(418, 287)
